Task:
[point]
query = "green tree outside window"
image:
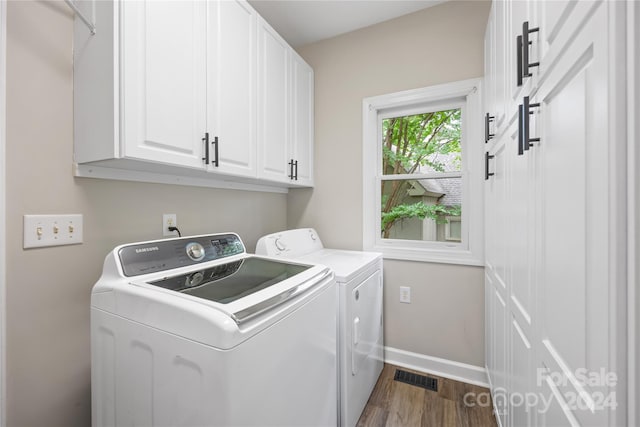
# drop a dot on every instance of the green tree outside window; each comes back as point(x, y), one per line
point(419, 144)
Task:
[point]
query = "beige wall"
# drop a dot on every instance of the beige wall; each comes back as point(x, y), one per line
point(440, 44)
point(48, 289)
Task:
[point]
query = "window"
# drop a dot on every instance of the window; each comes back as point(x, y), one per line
point(426, 147)
point(422, 182)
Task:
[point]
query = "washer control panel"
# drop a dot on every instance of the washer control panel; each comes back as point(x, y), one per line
point(160, 255)
point(289, 243)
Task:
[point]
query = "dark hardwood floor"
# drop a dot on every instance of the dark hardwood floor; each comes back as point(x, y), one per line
point(395, 404)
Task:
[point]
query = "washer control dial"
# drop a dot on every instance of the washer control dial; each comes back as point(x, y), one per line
point(279, 245)
point(195, 251)
point(194, 279)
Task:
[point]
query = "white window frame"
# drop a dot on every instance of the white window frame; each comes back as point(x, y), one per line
point(447, 228)
point(465, 94)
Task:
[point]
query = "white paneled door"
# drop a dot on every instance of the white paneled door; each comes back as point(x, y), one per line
point(520, 206)
point(575, 288)
point(496, 280)
point(555, 216)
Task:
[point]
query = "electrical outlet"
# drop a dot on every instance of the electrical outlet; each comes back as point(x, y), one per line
point(405, 294)
point(169, 220)
point(51, 230)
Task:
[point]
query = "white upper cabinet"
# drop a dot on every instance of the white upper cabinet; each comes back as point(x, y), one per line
point(285, 111)
point(499, 65)
point(231, 87)
point(200, 89)
point(518, 13)
point(163, 102)
point(302, 120)
point(489, 80)
point(273, 104)
point(495, 75)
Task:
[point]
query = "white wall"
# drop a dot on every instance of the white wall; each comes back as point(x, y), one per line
point(48, 289)
point(441, 44)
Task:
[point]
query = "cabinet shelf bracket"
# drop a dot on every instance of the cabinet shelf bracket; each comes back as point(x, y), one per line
point(80, 15)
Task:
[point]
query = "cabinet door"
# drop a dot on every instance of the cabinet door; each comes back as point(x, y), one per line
point(577, 279)
point(521, 225)
point(273, 105)
point(489, 352)
point(496, 256)
point(498, 16)
point(517, 13)
point(231, 89)
point(499, 380)
point(302, 119)
point(163, 81)
point(495, 66)
point(496, 283)
point(489, 70)
point(559, 20)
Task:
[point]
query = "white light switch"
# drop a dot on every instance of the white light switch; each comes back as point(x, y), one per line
point(52, 230)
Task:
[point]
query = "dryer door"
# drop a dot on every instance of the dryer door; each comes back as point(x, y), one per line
point(366, 321)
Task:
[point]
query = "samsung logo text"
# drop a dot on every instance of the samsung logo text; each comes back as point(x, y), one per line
point(147, 249)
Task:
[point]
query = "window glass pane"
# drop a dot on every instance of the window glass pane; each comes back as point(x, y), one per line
point(422, 143)
point(422, 209)
point(453, 229)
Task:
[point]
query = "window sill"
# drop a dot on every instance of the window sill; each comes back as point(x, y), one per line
point(458, 257)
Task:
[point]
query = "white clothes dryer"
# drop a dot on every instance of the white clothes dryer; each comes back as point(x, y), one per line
point(360, 317)
point(196, 332)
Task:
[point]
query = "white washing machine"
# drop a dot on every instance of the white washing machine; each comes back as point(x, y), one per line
point(359, 277)
point(195, 332)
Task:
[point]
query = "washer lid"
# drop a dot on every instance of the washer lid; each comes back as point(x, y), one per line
point(245, 287)
point(225, 283)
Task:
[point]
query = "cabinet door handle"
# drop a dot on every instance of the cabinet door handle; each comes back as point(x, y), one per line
point(290, 168)
point(205, 159)
point(296, 167)
point(487, 157)
point(519, 59)
point(487, 135)
point(520, 128)
point(525, 49)
point(214, 162)
point(526, 112)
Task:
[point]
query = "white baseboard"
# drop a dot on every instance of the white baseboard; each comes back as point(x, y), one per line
point(470, 374)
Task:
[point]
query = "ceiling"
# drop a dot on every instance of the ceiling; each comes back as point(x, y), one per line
point(302, 22)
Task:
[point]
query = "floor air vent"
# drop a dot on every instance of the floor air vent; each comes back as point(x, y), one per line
point(416, 380)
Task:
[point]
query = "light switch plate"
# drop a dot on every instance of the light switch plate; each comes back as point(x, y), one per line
point(52, 230)
point(405, 294)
